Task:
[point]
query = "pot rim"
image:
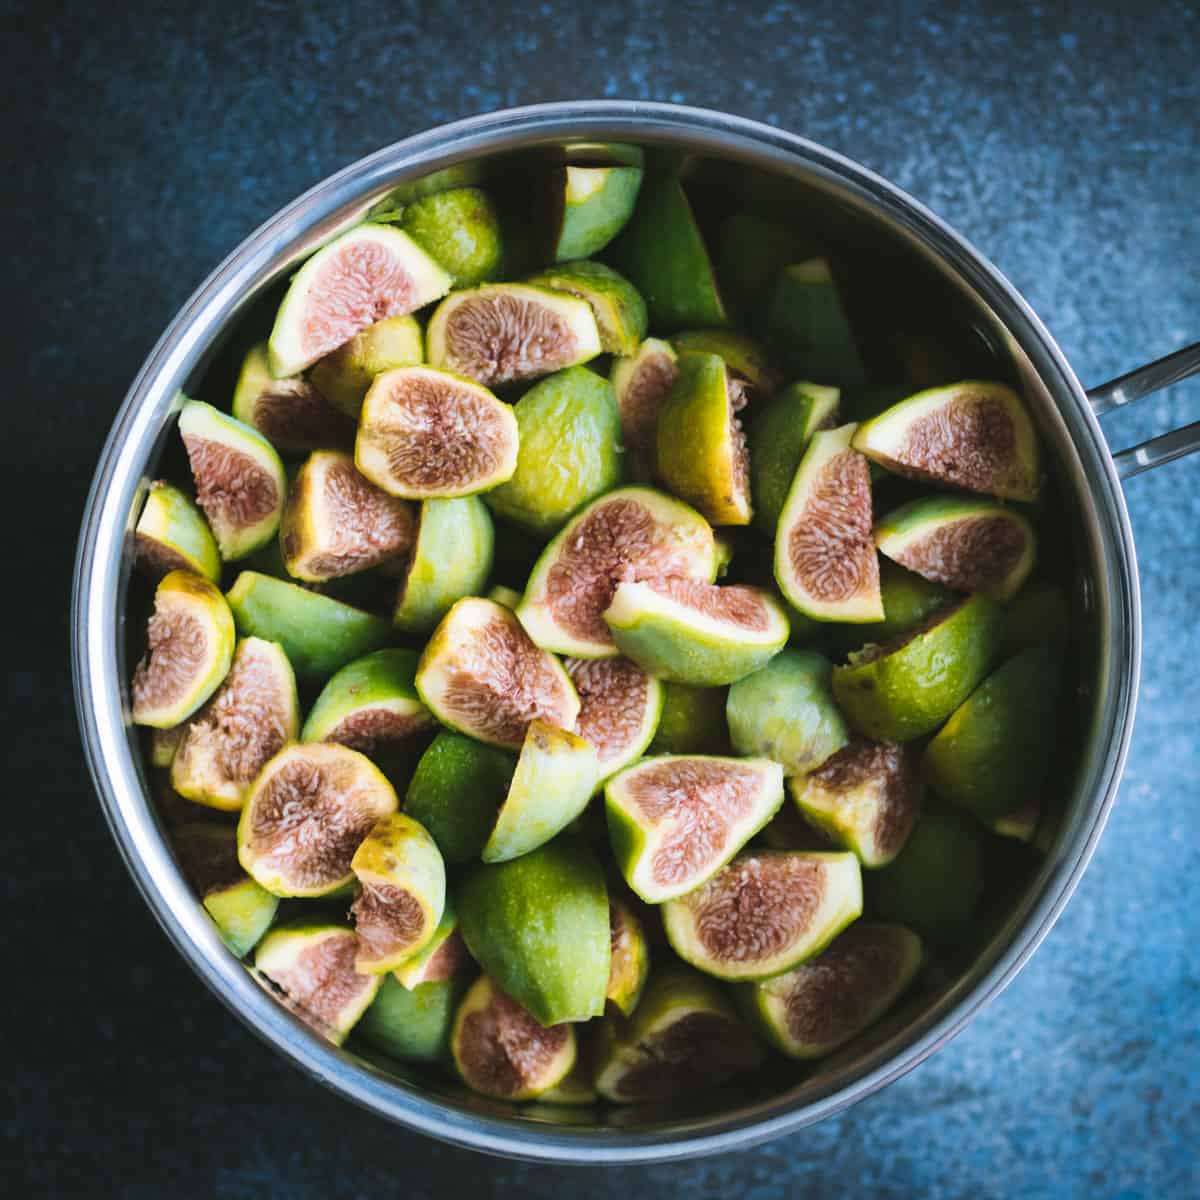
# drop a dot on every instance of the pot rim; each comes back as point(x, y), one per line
point(102, 563)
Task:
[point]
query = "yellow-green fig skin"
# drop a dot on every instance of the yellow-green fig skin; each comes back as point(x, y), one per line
point(345, 375)
point(172, 534)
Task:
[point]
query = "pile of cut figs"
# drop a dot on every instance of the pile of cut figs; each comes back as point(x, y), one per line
point(569, 664)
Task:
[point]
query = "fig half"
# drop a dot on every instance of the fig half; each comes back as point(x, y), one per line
point(346, 374)
point(441, 958)
point(411, 1025)
point(765, 913)
point(825, 559)
point(310, 970)
point(629, 957)
point(641, 382)
point(402, 893)
point(501, 1050)
point(190, 638)
point(968, 545)
point(746, 359)
point(865, 798)
point(684, 1039)
point(807, 326)
point(810, 1011)
point(973, 435)
point(461, 229)
point(676, 819)
point(619, 708)
point(539, 926)
point(292, 414)
point(506, 332)
point(336, 522)
point(481, 674)
point(250, 717)
point(700, 449)
point(906, 687)
point(370, 703)
point(239, 479)
point(172, 535)
point(306, 814)
point(596, 203)
point(617, 305)
point(786, 712)
point(426, 433)
point(363, 276)
point(318, 633)
point(687, 631)
point(629, 534)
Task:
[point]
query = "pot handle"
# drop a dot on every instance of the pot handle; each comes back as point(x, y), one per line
point(1128, 388)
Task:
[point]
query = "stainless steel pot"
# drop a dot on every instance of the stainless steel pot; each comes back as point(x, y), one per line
point(1089, 478)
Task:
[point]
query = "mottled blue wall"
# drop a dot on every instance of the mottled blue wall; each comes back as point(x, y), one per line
point(1064, 139)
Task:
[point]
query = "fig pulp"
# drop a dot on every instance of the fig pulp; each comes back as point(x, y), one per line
point(249, 719)
point(629, 957)
point(346, 374)
point(425, 433)
point(190, 638)
point(481, 674)
point(305, 816)
point(172, 535)
point(641, 383)
point(619, 708)
point(629, 534)
point(765, 913)
point(361, 277)
point(442, 958)
point(676, 819)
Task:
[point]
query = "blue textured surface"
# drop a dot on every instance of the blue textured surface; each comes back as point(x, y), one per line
point(1062, 138)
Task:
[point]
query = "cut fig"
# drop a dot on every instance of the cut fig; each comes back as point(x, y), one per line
point(370, 704)
point(684, 1039)
point(172, 535)
point(306, 814)
point(973, 435)
point(968, 545)
point(190, 638)
point(810, 1011)
point(675, 820)
point(539, 926)
point(292, 414)
point(777, 439)
point(336, 522)
point(664, 254)
point(992, 754)
point(456, 792)
point(481, 674)
point(745, 358)
point(506, 332)
point(506, 596)
point(907, 601)
point(346, 374)
point(906, 687)
point(641, 383)
point(825, 559)
point(807, 326)
point(451, 558)
point(866, 798)
point(363, 276)
point(556, 774)
point(596, 203)
point(310, 970)
point(619, 707)
point(441, 958)
point(500, 1050)
point(318, 633)
point(569, 433)
point(239, 479)
point(164, 743)
point(402, 893)
point(629, 958)
point(786, 712)
point(765, 913)
point(249, 719)
point(241, 910)
point(461, 229)
point(630, 534)
point(411, 1025)
point(617, 305)
point(934, 883)
point(692, 721)
point(686, 631)
point(700, 450)
point(425, 433)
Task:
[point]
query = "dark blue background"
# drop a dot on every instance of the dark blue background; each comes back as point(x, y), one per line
point(146, 140)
